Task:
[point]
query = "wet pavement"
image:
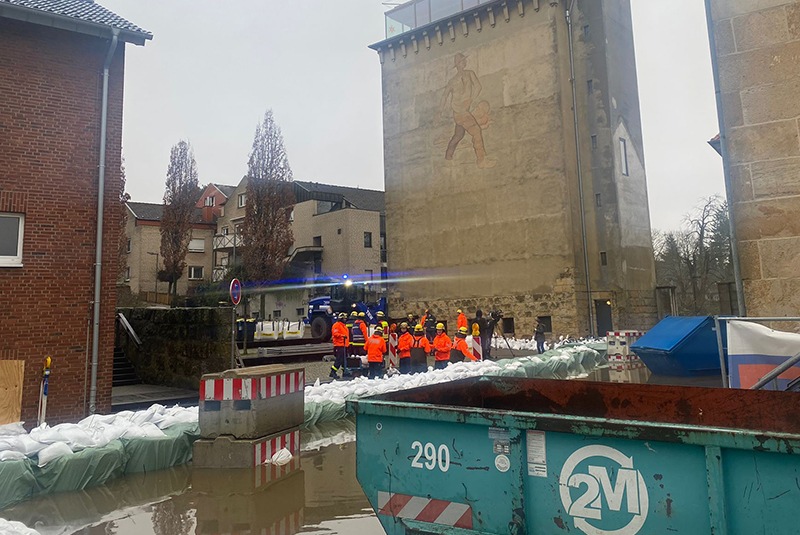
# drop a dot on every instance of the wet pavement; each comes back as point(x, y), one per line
point(320, 496)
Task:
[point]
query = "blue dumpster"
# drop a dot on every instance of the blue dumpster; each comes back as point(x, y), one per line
point(529, 456)
point(681, 345)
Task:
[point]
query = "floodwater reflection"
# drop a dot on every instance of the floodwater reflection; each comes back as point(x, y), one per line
point(317, 495)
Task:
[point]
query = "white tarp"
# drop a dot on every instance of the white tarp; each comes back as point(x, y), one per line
point(754, 350)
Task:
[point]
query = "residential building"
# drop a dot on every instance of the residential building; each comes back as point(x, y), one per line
point(212, 200)
point(61, 82)
point(143, 230)
point(756, 72)
point(512, 183)
point(337, 231)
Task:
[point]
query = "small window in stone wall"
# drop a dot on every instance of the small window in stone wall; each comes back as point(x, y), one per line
point(317, 240)
point(368, 239)
point(603, 258)
point(300, 312)
point(276, 314)
point(547, 322)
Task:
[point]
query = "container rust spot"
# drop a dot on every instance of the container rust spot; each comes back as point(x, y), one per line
point(558, 521)
point(669, 506)
point(658, 477)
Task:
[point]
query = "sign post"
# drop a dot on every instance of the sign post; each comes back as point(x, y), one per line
point(236, 296)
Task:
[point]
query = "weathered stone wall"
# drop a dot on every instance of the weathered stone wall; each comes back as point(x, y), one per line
point(758, 45)
point(482, 201)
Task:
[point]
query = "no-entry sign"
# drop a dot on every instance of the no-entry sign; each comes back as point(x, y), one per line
point(236, 291)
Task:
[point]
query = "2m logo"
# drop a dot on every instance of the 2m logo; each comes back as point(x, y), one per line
point(627, 492)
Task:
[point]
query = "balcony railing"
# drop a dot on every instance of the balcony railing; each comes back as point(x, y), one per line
point(227, 241)
point(418, 13)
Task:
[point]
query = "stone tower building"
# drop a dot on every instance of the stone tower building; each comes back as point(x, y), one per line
point(489, 202)
point(757, 72)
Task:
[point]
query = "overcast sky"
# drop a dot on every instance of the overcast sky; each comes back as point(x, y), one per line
point(213, 68)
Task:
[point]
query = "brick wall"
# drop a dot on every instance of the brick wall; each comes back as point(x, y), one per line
point(50, 99)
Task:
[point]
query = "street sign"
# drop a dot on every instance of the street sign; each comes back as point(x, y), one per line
point(236, 291)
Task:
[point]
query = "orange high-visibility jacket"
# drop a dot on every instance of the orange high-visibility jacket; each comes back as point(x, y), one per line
point(404, 345)
point(460, 344)
point(442, 345)
point(376, 348)
point(461, 321)
point(421, 341)
point(340, 334)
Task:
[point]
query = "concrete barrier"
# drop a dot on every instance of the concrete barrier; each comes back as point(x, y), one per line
point(252, 402)
point(227, 452)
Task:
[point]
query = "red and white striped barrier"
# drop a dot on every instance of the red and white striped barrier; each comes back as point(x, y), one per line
point(393, 350)
point(477, 348)
point(234, 388)
point(267, 473)
point(429, 510)
point(265, 449)
point(288, 525)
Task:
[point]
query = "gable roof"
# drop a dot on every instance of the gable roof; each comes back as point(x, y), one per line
point(147, 211)
point(81, 16)
point(363, 199)
point(225, 190)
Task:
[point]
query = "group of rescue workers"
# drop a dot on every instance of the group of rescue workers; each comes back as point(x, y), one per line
point(350, 336)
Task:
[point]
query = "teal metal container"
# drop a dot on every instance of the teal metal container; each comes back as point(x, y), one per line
point(528, 456)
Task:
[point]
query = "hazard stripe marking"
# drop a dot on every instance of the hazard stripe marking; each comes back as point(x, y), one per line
point(425, 509)
point(235, 389)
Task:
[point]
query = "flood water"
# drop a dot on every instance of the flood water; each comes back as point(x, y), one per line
point(321, 496)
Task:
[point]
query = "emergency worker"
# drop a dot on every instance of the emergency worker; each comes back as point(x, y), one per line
point(462, 319)
point(441, 347)
point(384, 325)
point(376, 349)
point(358, 336)
point(404, 348)
point(340, 335)
point(430, 326)
point(459, 350)
point(420, 348)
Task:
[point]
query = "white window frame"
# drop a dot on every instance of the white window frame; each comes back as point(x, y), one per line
point(127, 274)
point(209, 201)
point(202, 249)
point(242, 200)
point(193, 275)
point(15, 260)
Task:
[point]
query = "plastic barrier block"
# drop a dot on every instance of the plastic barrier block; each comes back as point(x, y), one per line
point(227, 452)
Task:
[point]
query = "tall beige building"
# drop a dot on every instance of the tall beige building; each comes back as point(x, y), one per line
point(757, 46)
point(489, 204)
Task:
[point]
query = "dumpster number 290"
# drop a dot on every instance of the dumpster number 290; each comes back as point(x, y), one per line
point(433, 456)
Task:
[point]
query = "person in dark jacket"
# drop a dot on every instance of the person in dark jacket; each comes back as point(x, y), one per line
point(538, 336)
point(430, 326)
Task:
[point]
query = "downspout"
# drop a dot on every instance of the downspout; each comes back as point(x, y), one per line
point(579, 170)
point(726, 172)
point(98, 254)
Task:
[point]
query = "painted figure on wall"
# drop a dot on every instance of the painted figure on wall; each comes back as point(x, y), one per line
point(470, 115)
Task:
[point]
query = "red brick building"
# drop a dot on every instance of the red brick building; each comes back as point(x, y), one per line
point(55, 56)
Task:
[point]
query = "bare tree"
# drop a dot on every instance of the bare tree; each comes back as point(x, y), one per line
point(179, 201)
point(696, 257)
point(267, 232)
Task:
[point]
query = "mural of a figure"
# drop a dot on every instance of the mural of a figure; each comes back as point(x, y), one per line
point(470, 115)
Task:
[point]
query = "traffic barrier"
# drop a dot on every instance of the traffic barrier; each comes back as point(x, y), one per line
point(477, 348)
point(393, 337)
point(619, 343)
point(425, 509)
point(227, 452)
point(252, 402)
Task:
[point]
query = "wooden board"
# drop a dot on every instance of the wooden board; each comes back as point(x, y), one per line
point(12, 373)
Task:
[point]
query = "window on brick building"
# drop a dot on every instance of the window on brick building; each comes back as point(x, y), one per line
point(11, 231)
point(317, 241)
point(195, 272)
point(209, 201)
point(128, 248)
point(242, 200)
point(127, 274)
point(368, 239)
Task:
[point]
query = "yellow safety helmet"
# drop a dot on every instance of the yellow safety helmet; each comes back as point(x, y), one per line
point(458, 311)
point(354, 314)
point(418, 328)
point(342, 316)
point(380, 314)
point(362, 315)
point(440, 326)
point(378, 329)
point(404, 325)
point(462, 330)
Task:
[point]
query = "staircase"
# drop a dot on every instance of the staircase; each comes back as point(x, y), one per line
point(123, 374)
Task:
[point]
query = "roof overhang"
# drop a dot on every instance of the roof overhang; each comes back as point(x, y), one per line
point(70, 24)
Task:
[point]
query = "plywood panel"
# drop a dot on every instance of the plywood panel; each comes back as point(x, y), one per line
point(12, 373)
